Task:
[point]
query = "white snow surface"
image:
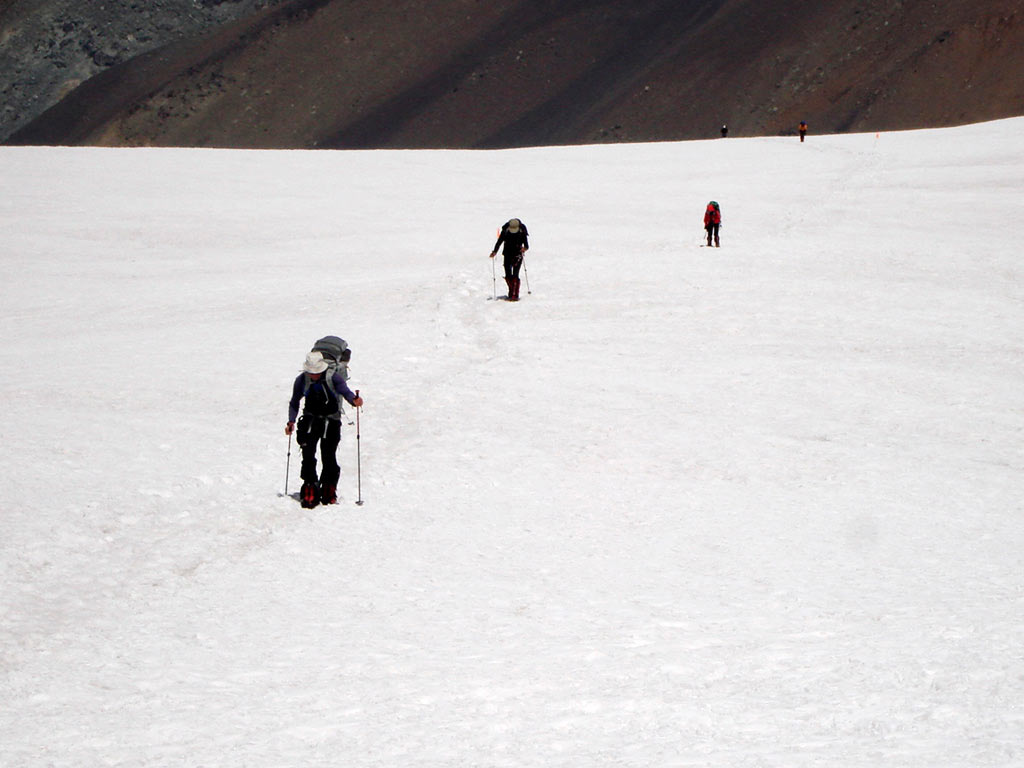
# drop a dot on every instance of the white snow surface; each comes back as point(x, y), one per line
point(761, 505)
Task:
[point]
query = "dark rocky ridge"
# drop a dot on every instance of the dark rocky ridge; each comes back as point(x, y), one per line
point(49, 47)
point(497, 73)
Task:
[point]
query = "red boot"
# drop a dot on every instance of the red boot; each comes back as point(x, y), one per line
point(515, 289)
point(310, 495)
point(329, 494)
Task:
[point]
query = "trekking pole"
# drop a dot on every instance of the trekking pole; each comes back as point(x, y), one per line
point(526, 274)
point(288, 464)
point(359, 461)
point(494, 280)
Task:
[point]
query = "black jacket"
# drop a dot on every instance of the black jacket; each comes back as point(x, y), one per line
point(514, 242)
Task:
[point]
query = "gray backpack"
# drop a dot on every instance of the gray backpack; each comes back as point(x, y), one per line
point(336, 354)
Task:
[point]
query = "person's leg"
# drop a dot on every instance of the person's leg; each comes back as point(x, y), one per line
point(515, 277)
point(329, 458)
point(310, 432)
point(310, 429)
point(512, 275)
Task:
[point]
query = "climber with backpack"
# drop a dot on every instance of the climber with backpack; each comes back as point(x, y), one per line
point(514, 241)
point(321, 385)
point(337, 355)
point(712, 222)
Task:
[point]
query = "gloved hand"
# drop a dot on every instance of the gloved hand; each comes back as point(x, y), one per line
point(289, 427)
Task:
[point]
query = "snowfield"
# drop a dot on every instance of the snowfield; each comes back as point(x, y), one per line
point(755, 506)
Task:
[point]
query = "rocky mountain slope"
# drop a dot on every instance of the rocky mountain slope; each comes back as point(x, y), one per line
point(49, 47)
point(498, 73)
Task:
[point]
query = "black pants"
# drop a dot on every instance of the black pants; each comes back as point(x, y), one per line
point(712, 230)
point(314, 431)
point(512, 263)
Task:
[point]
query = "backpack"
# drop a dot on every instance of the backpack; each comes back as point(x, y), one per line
point(717, 217)
point(522, 229)
point(336, 354)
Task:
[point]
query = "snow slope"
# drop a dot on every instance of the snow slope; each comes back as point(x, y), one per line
point(751, 506)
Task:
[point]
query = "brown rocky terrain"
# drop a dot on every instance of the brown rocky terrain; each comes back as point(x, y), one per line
point(49, 47)
point(500, 73)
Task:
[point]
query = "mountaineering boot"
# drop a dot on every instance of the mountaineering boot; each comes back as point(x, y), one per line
point(508, 282)
point(329, 494)
point(515, 289)
point(717, 244)
point(310, 495)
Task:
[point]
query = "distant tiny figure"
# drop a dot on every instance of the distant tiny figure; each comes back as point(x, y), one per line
point(803, 129)
point(712, 222)
point(725, 131)
point(516, 243)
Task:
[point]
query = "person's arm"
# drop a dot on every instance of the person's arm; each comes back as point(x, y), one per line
point(341, 387)
point(293, 404)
